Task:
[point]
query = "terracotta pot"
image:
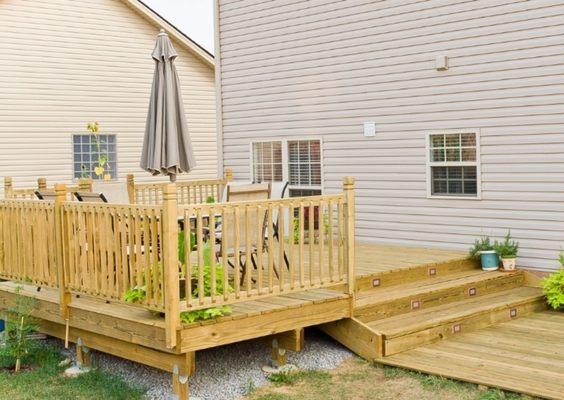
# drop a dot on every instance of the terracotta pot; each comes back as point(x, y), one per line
point(508, 263)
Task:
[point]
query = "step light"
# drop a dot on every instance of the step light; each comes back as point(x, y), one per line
point(432, 271)
point(456, 328)
point(376, 282)
point(513, 312)
point(415, 304)
point(472, 291)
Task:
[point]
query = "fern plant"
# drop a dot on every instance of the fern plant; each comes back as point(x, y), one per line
point(19, 325)
point(553, 286)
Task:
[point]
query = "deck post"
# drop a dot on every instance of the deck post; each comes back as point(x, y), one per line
point(64, 294)
point(170, 263)
point(8, 187)
point(41, 183)
point(348, 190)
point(228, 175)
point(179, 384)
point(131, 188)
point(85, 184)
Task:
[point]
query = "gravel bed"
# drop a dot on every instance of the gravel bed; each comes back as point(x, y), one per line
point(224, 373)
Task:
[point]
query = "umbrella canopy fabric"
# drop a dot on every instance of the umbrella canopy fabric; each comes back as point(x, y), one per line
point(166, 147)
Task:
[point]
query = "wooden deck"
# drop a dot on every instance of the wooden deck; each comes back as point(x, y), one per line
point(525, 355)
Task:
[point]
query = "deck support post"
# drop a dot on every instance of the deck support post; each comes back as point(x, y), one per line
point(64, 294)
point(170, 264)
point(179, 384)
point(82, 354)
point(278, 354)
point(291, 340)
point(41, 183)
point(348, 189)
point(8, 187)
point(131, 188)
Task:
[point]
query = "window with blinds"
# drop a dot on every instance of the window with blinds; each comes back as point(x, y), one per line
point(453, 164)
point(296, 161)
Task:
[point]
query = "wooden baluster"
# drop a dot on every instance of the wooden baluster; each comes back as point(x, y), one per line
point(330, 239)
point(213, 272)
point(281, 261)
point(237, 251)
point(270, 234)
point(64, 294)
point(291, 244)
point(170, 264)
point(311, 234)
point(301, 244)
point(224, 244)
point(200, 244)
point(348, 189)
point(188, 255)
point(146, 242)
point(157, 270)
point(340, 240)
point(260, 244)
point(321, 239)
point(248, 250)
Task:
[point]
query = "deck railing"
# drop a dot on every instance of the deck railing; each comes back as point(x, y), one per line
point(83, 185)
point(240, 251)
point(188, 192)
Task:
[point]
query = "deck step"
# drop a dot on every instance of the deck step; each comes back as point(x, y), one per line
point(407, 331)
point(417, 296)
point(424, 271)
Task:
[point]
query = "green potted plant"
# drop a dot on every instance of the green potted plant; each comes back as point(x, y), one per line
point(507, 251)
point(553, 287)
point(483, 250)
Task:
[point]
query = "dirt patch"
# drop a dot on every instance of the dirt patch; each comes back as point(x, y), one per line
point(357, 379)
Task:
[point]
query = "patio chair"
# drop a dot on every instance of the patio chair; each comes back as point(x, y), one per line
point(254, 218)
point(47, 195)
point(90, 197)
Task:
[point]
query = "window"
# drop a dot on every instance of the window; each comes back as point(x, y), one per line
point(453, 164)
point(90, 151)
point(295, 161)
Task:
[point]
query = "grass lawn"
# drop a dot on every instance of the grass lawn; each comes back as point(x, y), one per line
point(357, 379)
point(44, 381)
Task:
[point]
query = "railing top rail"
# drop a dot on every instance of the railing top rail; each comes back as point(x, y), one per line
point(194, 182)
point(67, 205)
point(284, 202)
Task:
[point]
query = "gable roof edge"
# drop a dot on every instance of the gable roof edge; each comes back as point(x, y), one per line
point(155, 19)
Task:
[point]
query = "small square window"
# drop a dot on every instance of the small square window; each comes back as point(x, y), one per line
point(90, 152)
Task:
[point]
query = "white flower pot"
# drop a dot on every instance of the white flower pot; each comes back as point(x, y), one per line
point(508, 263)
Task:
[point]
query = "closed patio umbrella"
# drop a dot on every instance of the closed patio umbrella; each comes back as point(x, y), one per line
point(166, 147)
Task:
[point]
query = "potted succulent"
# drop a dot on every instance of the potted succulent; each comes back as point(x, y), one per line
point(484, 251)
point(507, 251)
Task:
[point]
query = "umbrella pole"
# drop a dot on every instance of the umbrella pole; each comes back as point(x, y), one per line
point(172, 178)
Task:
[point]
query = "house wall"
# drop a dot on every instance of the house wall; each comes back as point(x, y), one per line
point(69, 62)
point(295, 68)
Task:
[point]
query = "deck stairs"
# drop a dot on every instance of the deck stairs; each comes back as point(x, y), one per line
point(404, 309)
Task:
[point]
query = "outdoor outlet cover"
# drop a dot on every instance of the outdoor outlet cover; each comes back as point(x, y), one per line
point(369, 129)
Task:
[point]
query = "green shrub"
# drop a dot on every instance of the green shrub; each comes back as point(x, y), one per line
point(508, 248)
point(553, 286)
point(19, 325)
point(482, 244)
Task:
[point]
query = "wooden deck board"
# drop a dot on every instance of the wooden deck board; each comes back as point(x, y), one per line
point(514, 356)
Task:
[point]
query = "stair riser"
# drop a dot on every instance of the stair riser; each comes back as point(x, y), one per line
point(402, 276)
point(469, 323)
point(402, 305)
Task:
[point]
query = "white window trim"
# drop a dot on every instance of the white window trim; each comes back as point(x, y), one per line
point(429, 164)
point(285, 160)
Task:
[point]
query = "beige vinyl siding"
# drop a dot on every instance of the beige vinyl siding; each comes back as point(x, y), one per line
point(294, 68)
point(69, 62)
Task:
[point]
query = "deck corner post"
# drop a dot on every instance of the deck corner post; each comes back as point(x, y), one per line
point(170, 264)
point(228, 175)
point(179, 384)
point(348, 190)
point(85, 184)
point(64, 294)
point(8, 187)
point(41, 183)
point(131, 188)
